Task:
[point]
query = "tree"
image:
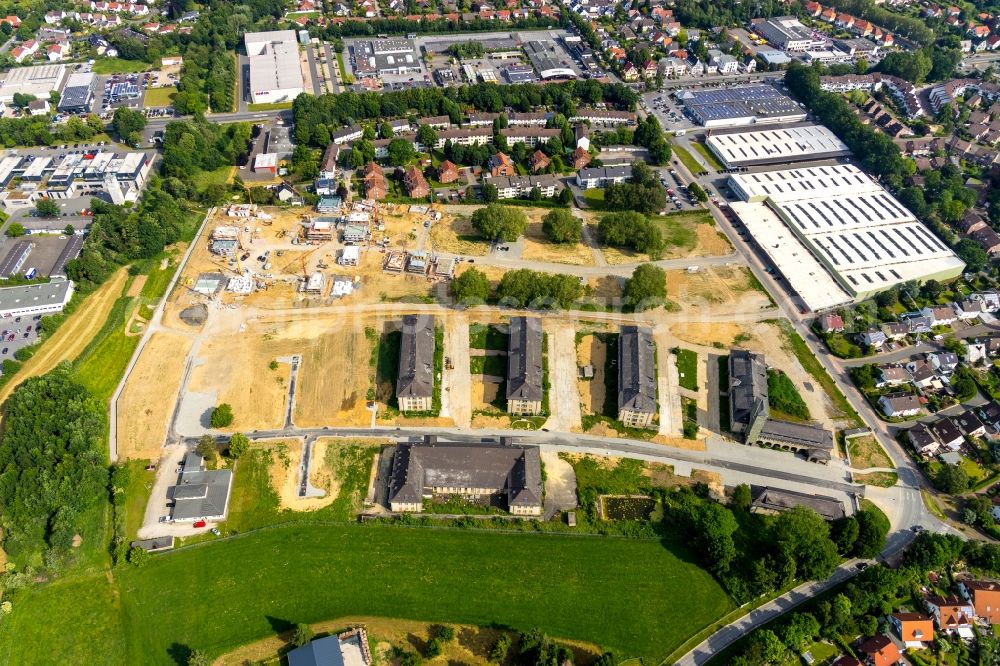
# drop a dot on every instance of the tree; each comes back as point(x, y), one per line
point(471, 287)
point(498, 653)
point(799, 631)
point(696, 191)
point(803, 537)
point(127, 123)
point(972, 254)
point(561, 226)
point(772, 650)
point(239, 444)
point(845, 534)
point(912, 66)
point(138, 557)
point(490, 193)
point(951, 479)
point(931, 290)
point(385, 130)
point(500, 223)
point(15, 230)
point(222, 416)
point(632, 230)
point(206, 447)
point(432, 648)
point(401, 151)
point(528, 288)
point(741, 499)
point(647, 288)
point(47, 208)
point(427, 137)
point(303, 634)
point(21, 100)
point(198, 658)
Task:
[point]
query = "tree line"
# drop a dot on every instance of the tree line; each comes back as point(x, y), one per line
point(316, 118)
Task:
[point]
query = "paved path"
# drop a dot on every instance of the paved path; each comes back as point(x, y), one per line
point(735, 630)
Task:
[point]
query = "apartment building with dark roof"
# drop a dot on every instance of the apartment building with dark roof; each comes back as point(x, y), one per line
point(636, 377)
point(524, 366)
point(415, 383)
point(478, 472)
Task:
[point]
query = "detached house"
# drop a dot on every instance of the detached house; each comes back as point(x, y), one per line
point(899, 404)
point(942, 315)
point(914, 629)
point(985, 597)
point(952, 615)
point(880, 651)
point(922, 440)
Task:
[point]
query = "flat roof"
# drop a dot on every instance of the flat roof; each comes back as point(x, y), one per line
point(835, 220)
point(740, 104)
point(35, 295)
point(274, 63)
point(777, 145)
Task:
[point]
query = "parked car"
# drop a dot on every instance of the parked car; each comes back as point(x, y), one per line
point(200, 523)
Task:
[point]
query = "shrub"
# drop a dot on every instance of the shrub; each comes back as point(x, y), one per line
point(222, 416)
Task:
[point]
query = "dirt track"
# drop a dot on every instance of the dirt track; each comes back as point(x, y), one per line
point(457, 380)
point(564, 397)
point(71, 338)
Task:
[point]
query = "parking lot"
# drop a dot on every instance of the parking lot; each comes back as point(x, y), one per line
point(17, 333)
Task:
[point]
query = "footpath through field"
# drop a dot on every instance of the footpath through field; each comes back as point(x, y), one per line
point(74, 334)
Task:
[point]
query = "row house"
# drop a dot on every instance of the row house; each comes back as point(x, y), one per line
point(530, 136)
point(463, 137)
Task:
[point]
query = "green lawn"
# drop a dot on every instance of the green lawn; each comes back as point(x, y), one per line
point(102, 362)
point(687, 368)
point(219, 595)
point(277, 106)
point(687, 159)
point(156, 97)
point(119, 66)
point(679, 229)
point(495, 366)
point(139, 487)
point(483, 336)
point(157, 279)
point(594, 198)
point(707, 155)
point(784, 398)
point(217, 176)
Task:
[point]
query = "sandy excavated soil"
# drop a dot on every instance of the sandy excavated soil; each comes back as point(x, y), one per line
point(538, 248)
point(333, 377)
point(591, 351)
point(714, 288)
point(564, 403)
point(236, 367)
point(148, 400)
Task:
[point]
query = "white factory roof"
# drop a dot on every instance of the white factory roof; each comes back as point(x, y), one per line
point(7, 165)
point(839, 218)
point(274, 61)
point(265, 161)
point(37, 81)
point(36, 168)
point(776, 145)
point(351, 253)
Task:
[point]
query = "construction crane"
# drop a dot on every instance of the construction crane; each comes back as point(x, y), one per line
point(301, 260)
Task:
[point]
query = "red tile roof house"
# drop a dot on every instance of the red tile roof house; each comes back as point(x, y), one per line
point(539, 161)
point(500, 165)
point(879, 651)
point(415, 183)
point(953, 614)
point(831, 322)
point(914, 629)
point(985, 596)
point(447, 172)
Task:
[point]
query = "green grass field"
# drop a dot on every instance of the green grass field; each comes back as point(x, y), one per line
point(687, 159)
point(488, 365)
point(687, 369)
point(484, 336)
point(119, 66)
point(157, 97)
point(707, 155)
point(594, 198)
point(217, 176)
point(102, 362)
point(278, 106)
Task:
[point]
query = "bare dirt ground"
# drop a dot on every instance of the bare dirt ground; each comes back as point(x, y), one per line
point(538, 248)
point(560, 480)
point(333, 378)
point(707, 334)
point(671, 418)
point(457, 389)
point(235, 365)
point(147, 402)
point(591, 351)
point(471, 647)
point(286, 456)
point(483, 393)
point(453, 233)
point(136, 287)
point(712, 287)
point(564, 399)
point(74, 334)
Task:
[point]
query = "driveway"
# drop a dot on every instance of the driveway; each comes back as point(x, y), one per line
point(156, 508)
point(564, 398)
point(456, 382)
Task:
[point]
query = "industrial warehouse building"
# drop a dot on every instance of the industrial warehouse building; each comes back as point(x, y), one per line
point(34, 299)
point(275, 75)
point(740, 105)
point(391, 55)
point(508, 473)
point(836, 234)
point(37, 81)
point(776, 146)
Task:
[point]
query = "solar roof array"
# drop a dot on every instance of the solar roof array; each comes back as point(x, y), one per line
point(760, 101)
point(848, 222)
point(776, 145)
